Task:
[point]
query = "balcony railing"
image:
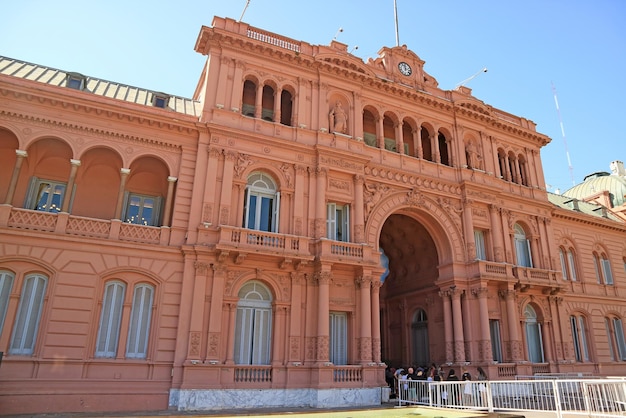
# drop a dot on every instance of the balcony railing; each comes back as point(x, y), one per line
point(253, 374)
point(66, 224)
point(345, 251)
point(347, 374)
point(482, 268)
point(260, 241)
point(534, 275)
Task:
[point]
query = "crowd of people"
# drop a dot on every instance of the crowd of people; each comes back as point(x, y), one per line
point(397, 379)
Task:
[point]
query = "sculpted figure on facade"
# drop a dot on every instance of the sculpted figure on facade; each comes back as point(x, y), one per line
point(242, 162)
point(474, 159)
point(338, 119)
point(373, 194)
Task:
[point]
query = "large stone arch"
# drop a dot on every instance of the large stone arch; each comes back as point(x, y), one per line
point(444, 227)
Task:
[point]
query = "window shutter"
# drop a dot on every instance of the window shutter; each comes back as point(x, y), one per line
point(529, 254)
point(572, 264)
point(583, 338)
point(331, 221)
point(243, 335)
point(139, 328)
point(619, 338)
point(606, 271)
point(261, 340)
point(346, 223)
point(108, 333)
point(28, 315)
point(563, 264)
point(479, 241)
point(31, 194)
point(6, 284)
point(276, 212)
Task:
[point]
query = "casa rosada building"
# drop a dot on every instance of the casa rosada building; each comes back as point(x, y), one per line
point(305, 220)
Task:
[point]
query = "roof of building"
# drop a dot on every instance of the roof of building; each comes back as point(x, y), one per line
point(580, 206)
point(614, 183)
point(55, 77)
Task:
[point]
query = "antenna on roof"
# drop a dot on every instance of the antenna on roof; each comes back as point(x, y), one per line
point(569, 162)
point(354, 49)
point(337, 34)
point(467, 80)
point(395, 15)
point(244, 10)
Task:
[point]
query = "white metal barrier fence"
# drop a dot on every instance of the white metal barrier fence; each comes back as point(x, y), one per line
point(561, 398)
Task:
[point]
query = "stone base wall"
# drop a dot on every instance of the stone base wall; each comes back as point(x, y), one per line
point(212, 399)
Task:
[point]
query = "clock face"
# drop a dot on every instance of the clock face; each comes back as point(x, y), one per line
point(404, 68)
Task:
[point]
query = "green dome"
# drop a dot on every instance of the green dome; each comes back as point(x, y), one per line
point(614, 183)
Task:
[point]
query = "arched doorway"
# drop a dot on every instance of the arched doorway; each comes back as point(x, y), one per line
point(408, 334)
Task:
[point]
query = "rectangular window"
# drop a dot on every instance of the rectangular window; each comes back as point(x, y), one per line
point(479, 240)
point(110, 318)
point(339, 338)
point(596, 266)
point(579, 338)
point(142, 209)
point(338, 222)
point(611, 337)
point(496, 344)
point(522, 248)
point(28, 315)
point(45, 195)
point(252, 335)
point(139, 329)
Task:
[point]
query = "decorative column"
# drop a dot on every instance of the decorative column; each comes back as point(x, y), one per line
point(364, 342)
point(468, 229)
point(457, 318)
point(514, 344)
point(258, 103)
point(554, 302)
point(496, 233)
point(70, 185)
point(484, 345)
point(124, 172)
point(208, 213)
point(227, 187)
point(447, 325)
point(168, 201)
point(215, 317)
point(197, 311)
point(547, 232)
point(299, 201)
point(220, 96)
point(231, 307)
point(277, 104)
point(399, 137)
point(357, 117)
point(295, 328)
point(280, 313)
point(21, 155)
point(507, 228)
point(359, 218)
point(417, 137)
point(323, 277)
point(434, 147)
point(380, 132)
point(320, 202)
point(236, 98)
point(375, 312)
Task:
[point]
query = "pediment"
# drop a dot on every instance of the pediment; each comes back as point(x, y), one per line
point(349, 62)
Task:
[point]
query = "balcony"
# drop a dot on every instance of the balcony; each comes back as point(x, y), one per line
point(528, 277)
point(65, 224)
point(490, 270)
point(253, 241)
point(345, 252)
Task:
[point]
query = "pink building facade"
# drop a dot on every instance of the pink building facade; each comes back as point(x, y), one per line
point(305, 220)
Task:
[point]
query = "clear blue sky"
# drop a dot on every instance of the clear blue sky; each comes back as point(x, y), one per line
point(527, 45)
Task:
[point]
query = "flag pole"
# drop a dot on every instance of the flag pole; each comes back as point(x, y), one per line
point(395, 13)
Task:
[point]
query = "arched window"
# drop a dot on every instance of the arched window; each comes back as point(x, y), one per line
point(267, 112)
point(534, 336)
point(502, 164)
point(6, 284)
point(568, 265)
point(249, 98)
point(522, 247)
point(253, 327)
point(262, 203)
point(389, 133)
point(419, 338)
point(523, 170)
point(28, 315)
point(427, 149)
point(579, 337)
point(107, 342)
point(615, 334)
point(369, 129)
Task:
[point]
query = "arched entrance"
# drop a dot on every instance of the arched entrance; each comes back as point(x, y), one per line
point(410, 335)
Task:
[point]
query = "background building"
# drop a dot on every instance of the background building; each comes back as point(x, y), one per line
point(304, 220)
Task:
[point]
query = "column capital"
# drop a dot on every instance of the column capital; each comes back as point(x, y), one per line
point(75, 163)
point(21, 153)
point(172, 179)
point(125, 171)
